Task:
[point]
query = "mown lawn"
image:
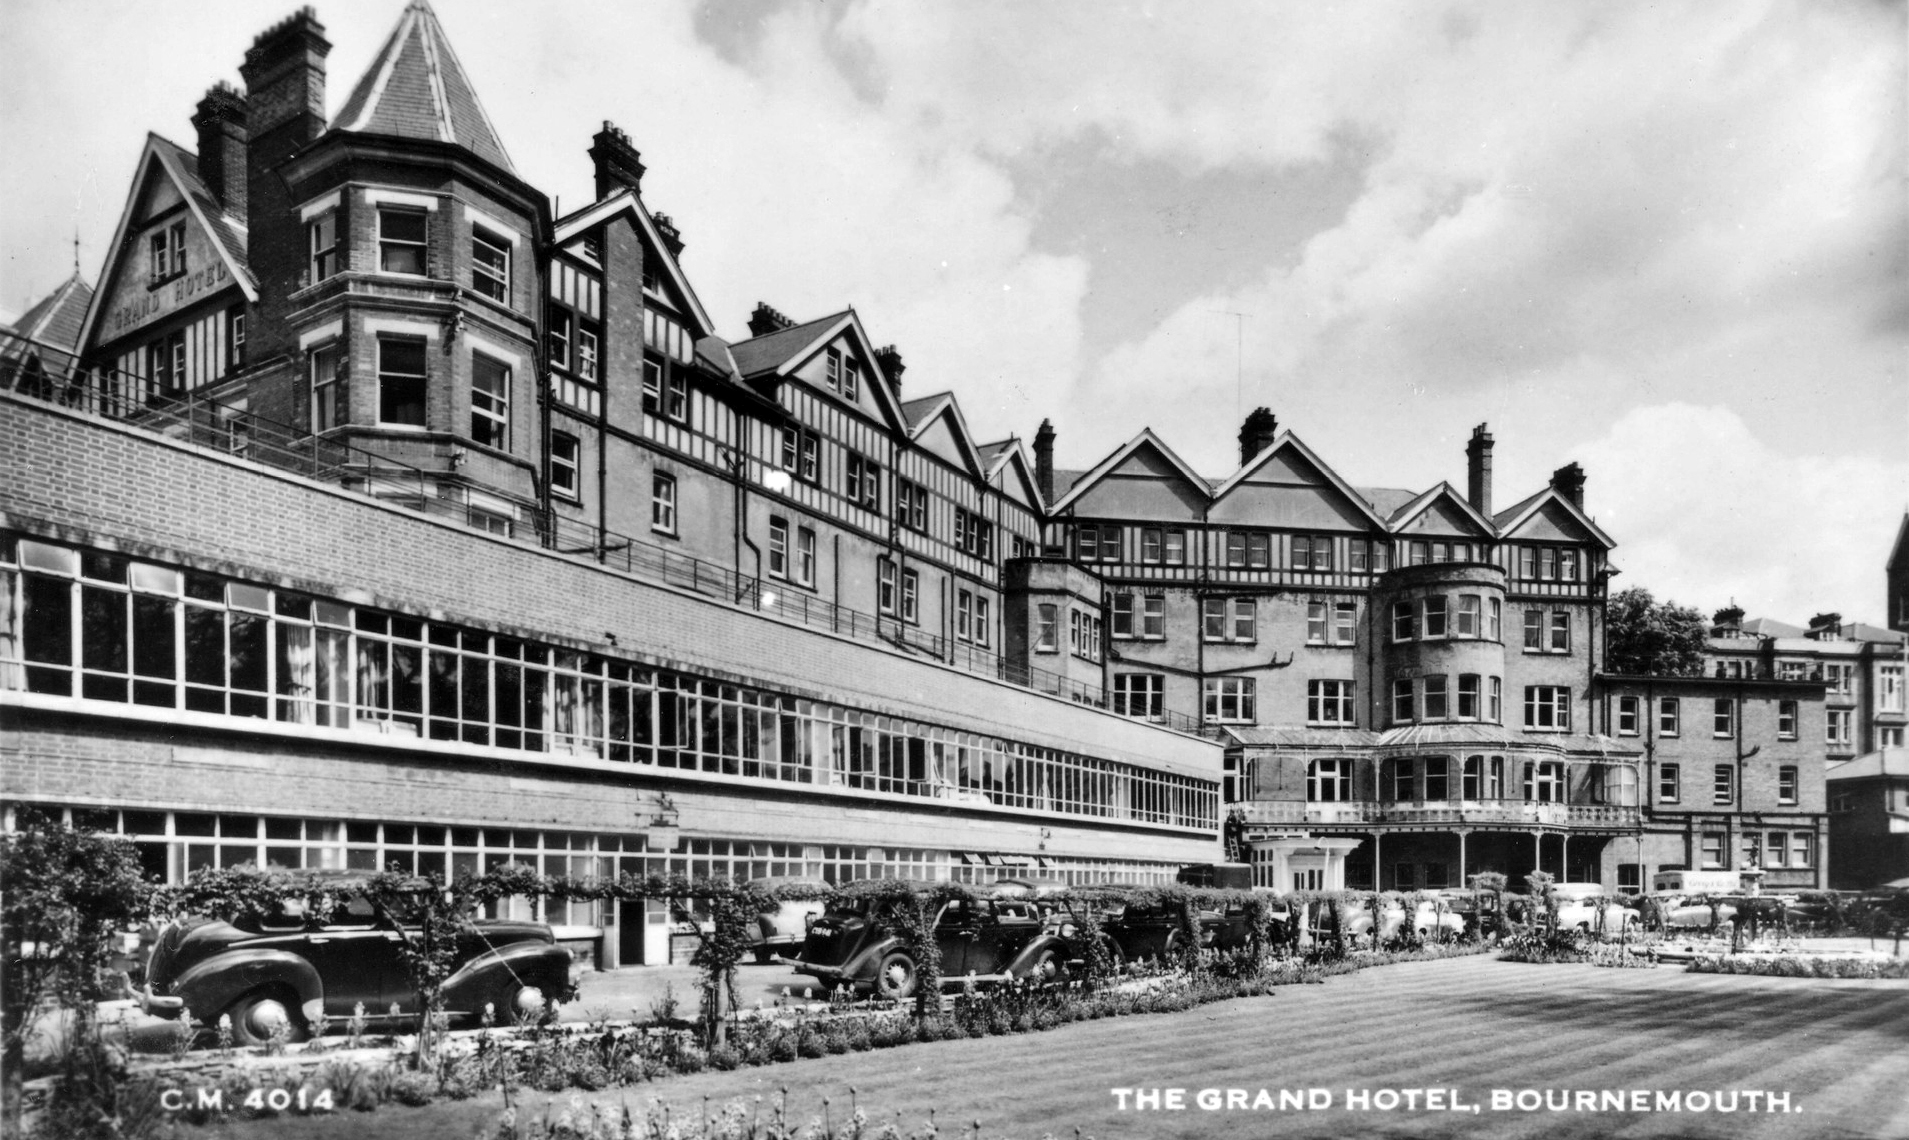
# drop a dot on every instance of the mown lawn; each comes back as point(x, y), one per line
point(1839, 1048)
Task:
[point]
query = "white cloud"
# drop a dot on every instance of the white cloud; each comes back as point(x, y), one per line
point(1705, 512)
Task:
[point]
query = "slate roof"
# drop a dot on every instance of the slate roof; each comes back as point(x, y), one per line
point(766, 353)
point(1882, 762)
point(416, 88)
point(1386, 501)
point(56, 318)
point(917, 410)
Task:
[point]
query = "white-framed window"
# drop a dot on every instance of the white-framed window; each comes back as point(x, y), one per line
point(1312, 552)
point(1495, 620)
point(1723, 717)
point(1437, 779)
point(1329, 702)
point(1786, 712)
point(1889, 736)
point(1047, 618)
point(1140, 695)
point(1712, 849)
point(328, 387)
point(1560, 631)
point(805, 564)
point(1345, 617)
point(779, 552)
point(1534, 631)
point(167, 252)
point(1317, 623)
point(864, 481)
point(1836, 729)
point(1435, 618)
point(911, 498)
point(1083, 633)
point(1627, 715)
point(1470, 615)
point(1723, 784)
point(1250, 549)
point(964, 614)
point(1176, 546)
point(490, 401)
point(1545, 782)
point(321, 244)
point(1329, 781)
point(910, 591)
point(887, 585)
point(401, 240)
point(1153, 616)
point(663, 503)
point(832, 368)
point(564, 450)
point(851, 378)
point(401, 380)
point(1495, 701)
point(490, 264)
point(1670, 783)
point(1837, 677)
point(1096, 543)
point(1228, 619)
point(1436, 706)
point(1889, 688)
point(1669, 716)
point(1229, 699)
point(1548, 707)
point(1469, 696)
point(1483, 778)
point(1403, 692)
point(1802, 849)
point(1786, 784)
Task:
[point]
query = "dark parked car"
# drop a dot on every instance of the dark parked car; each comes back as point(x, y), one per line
point(1145, 930)
point(285, 969)
point(995, 937)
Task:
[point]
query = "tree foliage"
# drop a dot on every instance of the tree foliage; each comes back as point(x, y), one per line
point(1652, 638)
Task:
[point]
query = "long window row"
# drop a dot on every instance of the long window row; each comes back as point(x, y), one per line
point(1472, 616)
point(1435, 698)
point(102, 627)
point(1476, 778)
point(1761, 849)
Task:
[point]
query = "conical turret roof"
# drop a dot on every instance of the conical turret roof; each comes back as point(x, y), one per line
point(415, 88)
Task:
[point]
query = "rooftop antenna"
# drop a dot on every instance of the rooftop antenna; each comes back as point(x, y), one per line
point(1239, 358)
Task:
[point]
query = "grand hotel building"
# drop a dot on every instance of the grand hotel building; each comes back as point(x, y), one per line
point(379, 515)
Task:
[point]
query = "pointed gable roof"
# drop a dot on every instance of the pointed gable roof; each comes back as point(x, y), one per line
point(774, 356)
point(1146, 439)
point(1287, 441)
point(1008, 454)
point(922, 415)
point(1899, 553)
point(164, 158)
point(1511, 518)
point(622, 201)
point(1444, 492)
point(416, 88)
point(56, 319)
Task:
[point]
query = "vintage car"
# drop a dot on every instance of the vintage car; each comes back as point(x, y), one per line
point(1429, 917)
point(1579, 905)
point(279, 972)
point(781, 931)
point(996, 936)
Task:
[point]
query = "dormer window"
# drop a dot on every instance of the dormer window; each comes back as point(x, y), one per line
point(401, 237)
point(851, 379)
point(832, 371)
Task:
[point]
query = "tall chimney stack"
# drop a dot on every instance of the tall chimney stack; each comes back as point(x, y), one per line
point(221, 124)
point(888, 357)
point(618, 166)
point(766, 320)
point(1044, 460)
point(1478, 471)
point(1569, 482)
point(1257, 434)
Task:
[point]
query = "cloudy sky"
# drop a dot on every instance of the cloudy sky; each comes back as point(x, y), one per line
point(1668, 242)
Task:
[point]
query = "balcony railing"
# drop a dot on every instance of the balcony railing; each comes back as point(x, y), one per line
point(192, 416)
point(1465, 813)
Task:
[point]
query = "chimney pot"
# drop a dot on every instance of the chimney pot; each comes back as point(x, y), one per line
point(1569, 482)
point(766, 320)
point(1478, 470)
point(1257, 434)
point(672, 237)
point(888, 357)
point(1044, 460)
point(222, 137)
point(618, 165)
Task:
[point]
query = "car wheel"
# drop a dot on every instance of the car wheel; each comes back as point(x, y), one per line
point(261, 1013)
point(1044, 970)
point(518, 1003)
point(896, 977)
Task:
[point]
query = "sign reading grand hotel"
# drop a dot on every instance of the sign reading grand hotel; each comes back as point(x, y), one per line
point(139, 300)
